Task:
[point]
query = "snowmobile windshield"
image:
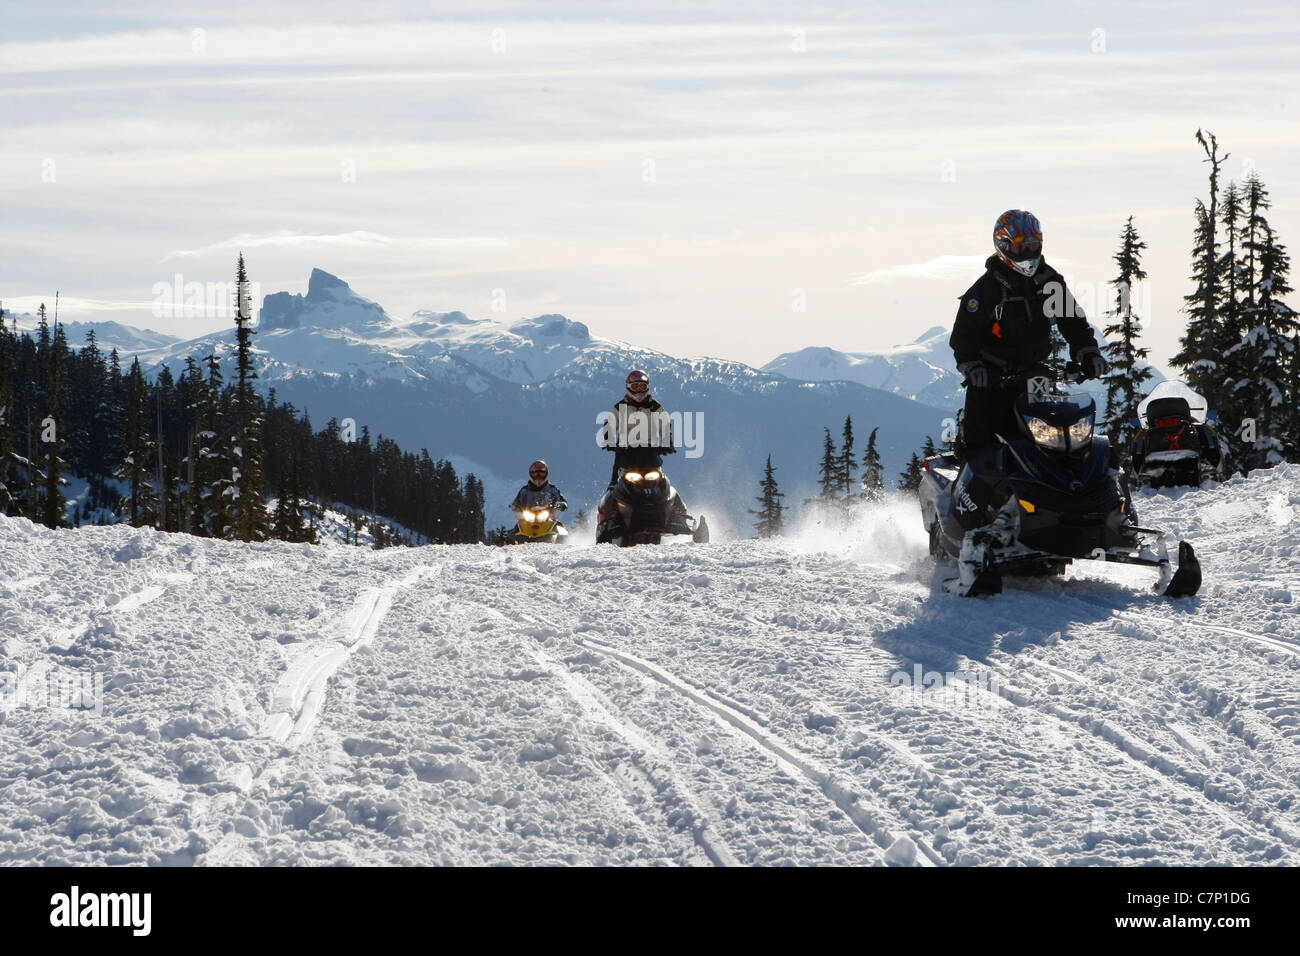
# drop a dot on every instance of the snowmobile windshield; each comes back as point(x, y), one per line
point(1196, 403)
point(1058, 424)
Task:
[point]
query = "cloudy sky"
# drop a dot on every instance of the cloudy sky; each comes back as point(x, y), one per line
point(731, 179)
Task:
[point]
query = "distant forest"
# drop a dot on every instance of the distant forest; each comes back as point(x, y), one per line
point(203, 453)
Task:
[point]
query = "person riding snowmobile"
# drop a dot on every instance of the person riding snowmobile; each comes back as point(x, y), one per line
point(539, 492)
point(1004, 326)
point(1003, 329)
point(639, 425)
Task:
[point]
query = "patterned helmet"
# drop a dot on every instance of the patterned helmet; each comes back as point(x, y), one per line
point(538, 472)
point(1018, 240)
point(638, 386)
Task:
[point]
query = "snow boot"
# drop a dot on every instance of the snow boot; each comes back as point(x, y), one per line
point(978, 575)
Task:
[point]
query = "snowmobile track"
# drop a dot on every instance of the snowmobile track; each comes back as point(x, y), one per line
point(839, 792)
point(300, 692)
point(1147, 756)
point(649, 761)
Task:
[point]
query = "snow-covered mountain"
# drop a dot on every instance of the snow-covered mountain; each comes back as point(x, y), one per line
point(127, 339)
point(922, 370)
point(816, 699)
point(493, 395)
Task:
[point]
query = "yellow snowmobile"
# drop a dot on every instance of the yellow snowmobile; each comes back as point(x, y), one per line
point(539, 525)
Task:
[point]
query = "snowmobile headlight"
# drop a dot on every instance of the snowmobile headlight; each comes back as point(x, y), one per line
point(543, 514)
point(1081, 433)
point(632, 476)
point(528, 515)
point(652, 476)
point(1049, 436)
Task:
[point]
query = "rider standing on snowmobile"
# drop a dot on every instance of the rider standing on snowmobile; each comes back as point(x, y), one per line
point(539, 492)
point(1002, 333)
point(639, 425)
point(1004, 325)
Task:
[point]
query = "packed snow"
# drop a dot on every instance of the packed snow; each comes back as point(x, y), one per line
point(172, 700)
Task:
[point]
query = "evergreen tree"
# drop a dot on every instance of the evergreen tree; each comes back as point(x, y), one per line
point(471, 529)
point(873, 470)
point(846, 467)
point(1198, 356)
point(210, 510)
point(135, 471)
point(1125, 378)
point(909, 479)
point(828, 480)
point(8, 458)
point(1262, 357)
point(771, 515)
point(54, 510)
point(249, 520)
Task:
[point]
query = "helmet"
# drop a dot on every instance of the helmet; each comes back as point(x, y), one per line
point(1018, 240)
point(538, 472)
point(638, 386)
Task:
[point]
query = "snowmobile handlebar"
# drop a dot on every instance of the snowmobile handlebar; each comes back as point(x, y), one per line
point(1006, 378)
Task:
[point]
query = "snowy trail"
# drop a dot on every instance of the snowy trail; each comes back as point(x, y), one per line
point(801, 701)
point(298, 697)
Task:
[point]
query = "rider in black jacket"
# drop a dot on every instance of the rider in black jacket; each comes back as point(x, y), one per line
point(1004, 324)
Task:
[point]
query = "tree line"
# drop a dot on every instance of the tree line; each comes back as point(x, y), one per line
point(198, 454)
point(843, 481)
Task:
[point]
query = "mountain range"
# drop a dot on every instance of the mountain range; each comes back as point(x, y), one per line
point(491, 395)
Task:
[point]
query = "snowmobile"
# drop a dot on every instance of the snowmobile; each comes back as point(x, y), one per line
point(1044, 497)
point(1178, 446)
point(538, 521)
point(643, 506)
point(539, 526)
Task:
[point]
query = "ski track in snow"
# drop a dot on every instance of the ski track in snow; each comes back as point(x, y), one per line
point(738, 703)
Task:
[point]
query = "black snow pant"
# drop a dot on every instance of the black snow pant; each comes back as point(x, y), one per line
point(990, 412)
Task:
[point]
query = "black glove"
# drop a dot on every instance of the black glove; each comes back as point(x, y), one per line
point(1094, 365)
point(560, 506)
point(977, 374)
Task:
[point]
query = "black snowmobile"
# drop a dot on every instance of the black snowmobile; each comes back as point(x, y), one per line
point(1177, 446)
point(1044, 497)
point(643, 506)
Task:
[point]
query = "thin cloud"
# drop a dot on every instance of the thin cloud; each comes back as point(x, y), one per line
point(944, 268)
point(940, 267)
point(68, 305)
point(344, 240)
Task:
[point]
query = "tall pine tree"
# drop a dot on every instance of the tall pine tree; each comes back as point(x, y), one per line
point(770, 516)
point(1198, 355)
point(873, 470)
point(846, 467)
point(248, 500)
point(136, 470)
point(1124, 380)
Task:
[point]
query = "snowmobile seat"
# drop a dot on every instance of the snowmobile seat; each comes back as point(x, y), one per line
point(1173, 409)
